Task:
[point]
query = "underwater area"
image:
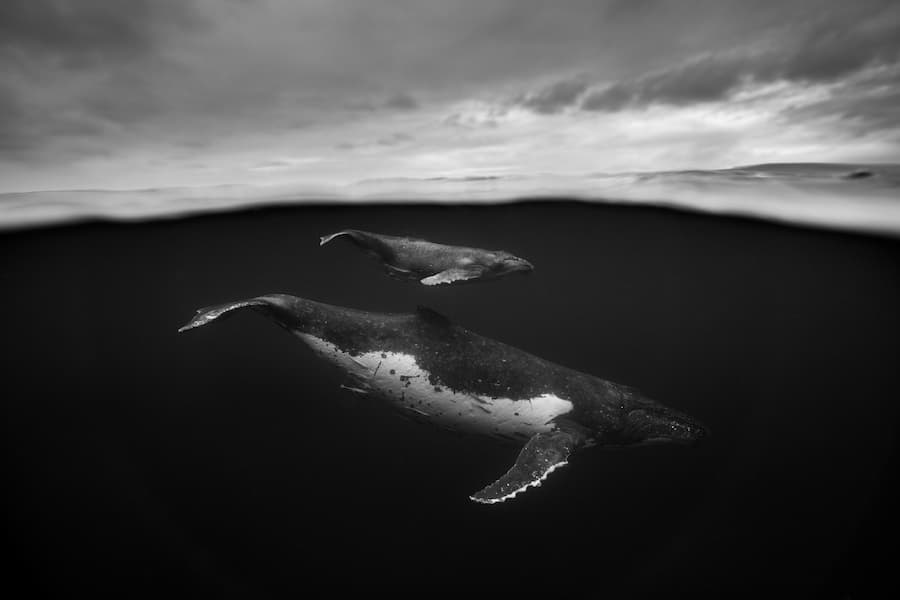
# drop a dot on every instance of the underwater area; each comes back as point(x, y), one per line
point(230, 461)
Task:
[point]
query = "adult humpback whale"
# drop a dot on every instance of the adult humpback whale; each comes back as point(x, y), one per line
point(436, 371)
point(430, 263)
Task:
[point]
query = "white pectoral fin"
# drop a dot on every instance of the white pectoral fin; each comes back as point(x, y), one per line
point(543, 454)
point(454, 274)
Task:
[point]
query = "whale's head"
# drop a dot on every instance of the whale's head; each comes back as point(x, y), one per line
point(657, 424)
point(504, 263)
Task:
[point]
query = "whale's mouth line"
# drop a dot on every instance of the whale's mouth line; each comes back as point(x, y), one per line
point(658, 441)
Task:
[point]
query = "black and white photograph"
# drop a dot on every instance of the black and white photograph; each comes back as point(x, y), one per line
point(594, 298)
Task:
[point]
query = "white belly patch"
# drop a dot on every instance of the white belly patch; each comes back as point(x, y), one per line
point(397, 378)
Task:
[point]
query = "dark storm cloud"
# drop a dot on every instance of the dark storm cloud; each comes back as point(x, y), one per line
point(89, 30)
point(862, 105)
point(702, 80)
point(823, 51)
point(402, 101)
point(24, 127)
point(123, 97)
point(50, 44)
point(555, 97)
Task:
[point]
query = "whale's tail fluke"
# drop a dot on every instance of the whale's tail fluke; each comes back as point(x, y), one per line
point(267, 305)
point(209, 314)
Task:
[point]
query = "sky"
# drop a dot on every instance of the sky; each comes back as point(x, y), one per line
point(156, 93)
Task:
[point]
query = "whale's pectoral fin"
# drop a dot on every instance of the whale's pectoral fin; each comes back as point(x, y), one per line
point(454, 274)
point(543, 454)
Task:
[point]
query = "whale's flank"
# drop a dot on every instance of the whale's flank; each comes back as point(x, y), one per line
point(398, 379)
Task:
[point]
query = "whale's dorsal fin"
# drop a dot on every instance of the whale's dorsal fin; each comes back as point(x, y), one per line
point(543, 454)
point(454, 274)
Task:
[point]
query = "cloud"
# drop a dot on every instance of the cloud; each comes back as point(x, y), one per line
point(25, 127)
point(702, 80)
point(97, 91)
point(863, 105)
point(554, 97)
point(823, 51)
point(386, 141)
point(286, 163)
point(14, 116)
point(401, 101)
point(394, 139)
point(89, 31)
point(477, 115)
point(836, 46)
point(73, 68)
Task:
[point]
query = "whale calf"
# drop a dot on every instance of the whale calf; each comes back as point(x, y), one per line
point(430, 263)
point(435, 371)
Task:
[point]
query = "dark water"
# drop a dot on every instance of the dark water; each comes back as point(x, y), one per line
point(227, 460)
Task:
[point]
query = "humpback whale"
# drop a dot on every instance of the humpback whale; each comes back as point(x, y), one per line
point(430, 263)
point(433, 370)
